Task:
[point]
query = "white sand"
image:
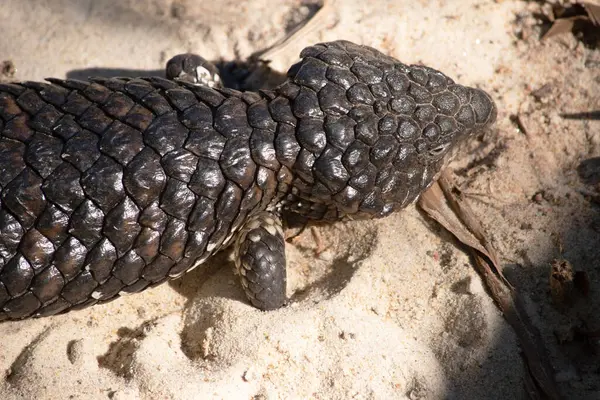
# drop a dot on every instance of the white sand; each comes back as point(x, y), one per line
point(393, 309)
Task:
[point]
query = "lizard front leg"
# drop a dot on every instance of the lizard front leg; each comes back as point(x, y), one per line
point(260, 260)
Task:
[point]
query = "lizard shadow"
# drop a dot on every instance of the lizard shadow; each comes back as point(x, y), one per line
point(329, 271)
point(315, 279)
point(322, 278)
point(327, 279)
point(253, 74)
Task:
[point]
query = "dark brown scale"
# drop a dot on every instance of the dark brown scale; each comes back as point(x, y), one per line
point(263, 150)
point(231, 119)
point(86, 223)
point(121, 225)
point(359, 93)
point(137, 286)
point(158, 268)
point(43, 153)
point(146, 245)
point(281, 111)
point(70, 257)
point(45, 118)
point(121, 142)
point(144, 178)
point(62, 188)
point(259, 116)
point(206, 142)
point(36, 249)
point(11, 159)
point(76, 104)
point(286, 146)
point(329, 170)
point(311, 74)
point(173, 239)
point(81, 150)
point(23, 197)
point(177, 199)
point(306, 104)
point(11, 233)
point(311, 135)
point(129, 267)
point(153, 217)
point(53, 224)
point(180, 164)
point(117, 184)
point(21, 306)
point(236, 162)
point(17, 128)
point(366, 128)
point(208, 179)
point(48, 284)
point(340, 131)
point(103, 183)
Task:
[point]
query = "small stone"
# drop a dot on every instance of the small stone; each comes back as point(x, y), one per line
point(326, 255)
point(249, 375)
point(75, 351)
point(206, 342)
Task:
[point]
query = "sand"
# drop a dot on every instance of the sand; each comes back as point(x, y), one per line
point(393, 308)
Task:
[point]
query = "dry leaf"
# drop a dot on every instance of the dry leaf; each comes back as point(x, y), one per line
point(593, 12)
point(567, 19)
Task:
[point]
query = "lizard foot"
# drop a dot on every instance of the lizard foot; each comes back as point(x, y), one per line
point(260, 260)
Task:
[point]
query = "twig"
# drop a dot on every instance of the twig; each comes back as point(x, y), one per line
point(298, 33)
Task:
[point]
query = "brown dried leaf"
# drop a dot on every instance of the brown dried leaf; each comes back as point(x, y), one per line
point(566, 19)
point(433, 202)
point(593, 12)
point(563, 25)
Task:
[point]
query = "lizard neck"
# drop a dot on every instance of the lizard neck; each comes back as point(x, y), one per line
point(296, 178)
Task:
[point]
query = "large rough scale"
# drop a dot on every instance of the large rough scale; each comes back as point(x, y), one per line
point(115, 185)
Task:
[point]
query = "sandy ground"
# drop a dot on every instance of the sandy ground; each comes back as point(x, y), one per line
point(393, 308)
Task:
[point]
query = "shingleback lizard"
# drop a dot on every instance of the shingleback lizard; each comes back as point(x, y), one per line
point(115, 185)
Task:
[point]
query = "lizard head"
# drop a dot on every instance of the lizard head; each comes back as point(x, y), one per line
point(379, 131)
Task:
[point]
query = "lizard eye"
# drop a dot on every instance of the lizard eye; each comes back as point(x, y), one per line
point(436, 151)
